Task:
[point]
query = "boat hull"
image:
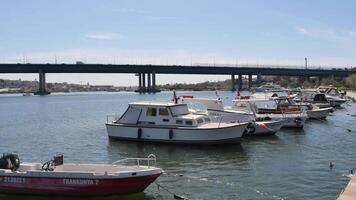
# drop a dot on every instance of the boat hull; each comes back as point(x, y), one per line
point(74, 186)
point(321, 113)
point(230, 134)
point(265, 128)
point(336, 102)
point(289, 120)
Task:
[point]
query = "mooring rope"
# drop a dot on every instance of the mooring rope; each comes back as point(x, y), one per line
point(175, 196)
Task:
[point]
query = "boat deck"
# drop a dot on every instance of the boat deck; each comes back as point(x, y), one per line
point(349, 192)
point(87, 168)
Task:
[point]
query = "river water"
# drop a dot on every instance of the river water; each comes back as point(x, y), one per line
point(293, 164)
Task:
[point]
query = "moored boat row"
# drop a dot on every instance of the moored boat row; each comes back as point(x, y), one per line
point(180, 122)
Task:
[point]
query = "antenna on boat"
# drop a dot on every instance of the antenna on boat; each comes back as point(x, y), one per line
point(174, 98)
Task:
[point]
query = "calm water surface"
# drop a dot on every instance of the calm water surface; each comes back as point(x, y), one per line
point(293, 164)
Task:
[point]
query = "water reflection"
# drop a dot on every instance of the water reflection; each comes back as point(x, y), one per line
point(167, 153)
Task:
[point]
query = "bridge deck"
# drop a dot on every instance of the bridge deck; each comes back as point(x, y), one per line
point(170, 69)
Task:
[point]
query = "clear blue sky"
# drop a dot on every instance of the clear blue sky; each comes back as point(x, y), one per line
point(180, 32)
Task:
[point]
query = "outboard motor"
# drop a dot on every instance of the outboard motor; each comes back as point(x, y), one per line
point(10, 161)
point(58, 159)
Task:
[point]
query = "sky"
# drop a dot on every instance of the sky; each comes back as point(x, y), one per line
point(186, 32)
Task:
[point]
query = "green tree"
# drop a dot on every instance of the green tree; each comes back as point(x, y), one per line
point(307, 84)
point(351, 81)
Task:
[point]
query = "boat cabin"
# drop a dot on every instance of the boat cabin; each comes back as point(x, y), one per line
point(330, 90)
point(312, 96)
point(161, 114)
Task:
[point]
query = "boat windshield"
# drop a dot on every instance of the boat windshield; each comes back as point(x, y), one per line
point(181, 109)
point(266, 104)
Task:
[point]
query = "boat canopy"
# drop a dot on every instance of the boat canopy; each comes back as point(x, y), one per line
point(319, 97)
point(131, 116)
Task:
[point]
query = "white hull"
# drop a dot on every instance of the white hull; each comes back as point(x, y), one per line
point(258, 128)
point(224, 134)
point(336, 103)
point(321, 113)
point(289, 120)
point(265, 127)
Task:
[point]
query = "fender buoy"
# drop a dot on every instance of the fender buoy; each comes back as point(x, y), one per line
point(170, 134)
point(250, 128)
point(139, 133)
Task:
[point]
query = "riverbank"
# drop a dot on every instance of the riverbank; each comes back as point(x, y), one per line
point(351, 94)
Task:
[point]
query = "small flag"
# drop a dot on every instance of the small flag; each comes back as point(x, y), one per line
point(238, 93)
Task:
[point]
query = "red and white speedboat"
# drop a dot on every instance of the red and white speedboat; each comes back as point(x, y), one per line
point(56, 178)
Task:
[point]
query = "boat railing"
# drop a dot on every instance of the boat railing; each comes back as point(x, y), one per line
point(112, 118)
point(150, 160)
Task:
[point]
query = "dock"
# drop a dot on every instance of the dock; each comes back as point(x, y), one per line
point(349, 192)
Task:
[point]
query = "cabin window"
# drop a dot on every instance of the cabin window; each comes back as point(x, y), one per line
point(165, 120)
point(207, 119)
point(200, 121)
point(180, 109)
point(163, 111)
point(151, 112)
point(178, 121)
point(188, 122)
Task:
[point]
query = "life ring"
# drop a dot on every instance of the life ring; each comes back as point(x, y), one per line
point(250, 128)
point(170, 134)
point(139, 133)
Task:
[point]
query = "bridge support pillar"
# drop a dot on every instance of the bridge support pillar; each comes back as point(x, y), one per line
point(233, 82)
point(240, 82)
point(143, 83)
point(249, 81)
point(154, 82)
point(139, 83)
point(149, 89)
point(259, 78)
point(42, 84)
point(151, 83)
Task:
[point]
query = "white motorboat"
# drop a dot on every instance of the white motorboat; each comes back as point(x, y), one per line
point(215, 108)
point(26, 94)
point(280, 108)
point(313, 97)
point(173, 123)
point(335, 98)
point(318, 113)
point(269, 88)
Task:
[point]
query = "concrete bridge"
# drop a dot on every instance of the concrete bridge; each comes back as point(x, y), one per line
point(147, 73)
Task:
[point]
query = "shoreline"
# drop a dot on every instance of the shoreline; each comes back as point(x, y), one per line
point(351, 93)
